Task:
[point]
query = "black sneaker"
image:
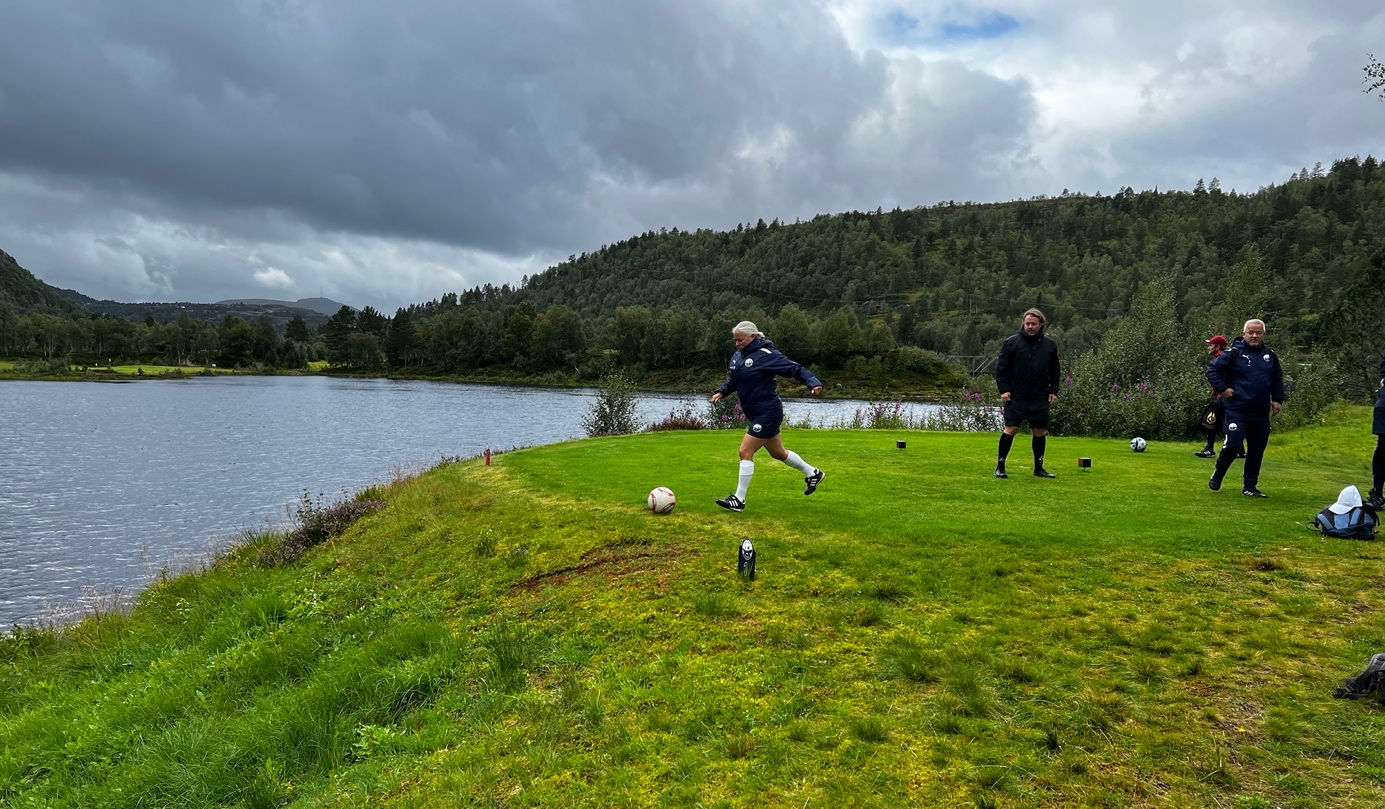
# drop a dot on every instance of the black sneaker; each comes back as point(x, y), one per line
point(1214, 484)
point(1206, 453)
point(732, 502)
point(1375, 500)
point(1251, 491)
point(1043, 473)
point(1000, 472)
point(810, 483)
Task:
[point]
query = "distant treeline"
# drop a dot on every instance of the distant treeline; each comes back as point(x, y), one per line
point(893, 288)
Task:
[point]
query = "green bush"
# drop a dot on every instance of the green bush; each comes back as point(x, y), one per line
point(726, 414)
point(966, 411)
point(1144, 378)
point(613, 412)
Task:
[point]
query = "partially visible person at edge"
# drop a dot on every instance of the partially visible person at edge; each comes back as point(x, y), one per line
point(1250, 382)
point(1214, 416)
point(751, 374)
point(1027, 374)
point(1375, 499)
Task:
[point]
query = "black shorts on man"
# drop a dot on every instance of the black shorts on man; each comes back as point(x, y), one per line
point(1036, 413)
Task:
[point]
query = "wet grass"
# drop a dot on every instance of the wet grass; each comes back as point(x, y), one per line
point(919, 633)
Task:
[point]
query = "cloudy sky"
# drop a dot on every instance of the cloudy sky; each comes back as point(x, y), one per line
point(383, 153)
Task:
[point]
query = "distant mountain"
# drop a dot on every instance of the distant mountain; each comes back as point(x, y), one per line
point(164, 312)
point(25, 293)
point(326, 306)
point(21, 290)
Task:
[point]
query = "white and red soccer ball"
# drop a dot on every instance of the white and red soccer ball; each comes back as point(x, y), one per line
point(661, 500)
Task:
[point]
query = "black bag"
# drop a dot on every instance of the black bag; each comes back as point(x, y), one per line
point(1210, 421)
point(1369, 683)
point(1357, 523)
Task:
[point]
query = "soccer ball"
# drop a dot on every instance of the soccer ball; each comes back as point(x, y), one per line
point(661, 500)
point(1137, 443)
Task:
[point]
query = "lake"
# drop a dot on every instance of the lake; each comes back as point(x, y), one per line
point(102, 484)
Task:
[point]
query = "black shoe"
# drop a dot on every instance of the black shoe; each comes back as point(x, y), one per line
point(1000, 472)
point(732, 502)
point(1375, 500)
point(1251, 491)
point(1241, 454)
point(810, 483)
point(1206, 453)
point(1043, 473)
point(1214, 484)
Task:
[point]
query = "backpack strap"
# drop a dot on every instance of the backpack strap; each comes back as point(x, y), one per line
point(1235, 352)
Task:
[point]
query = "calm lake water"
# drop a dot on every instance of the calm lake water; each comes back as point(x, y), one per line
point(102, 484)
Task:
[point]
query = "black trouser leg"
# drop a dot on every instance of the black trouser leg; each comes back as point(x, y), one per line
point(1230, 448)
point(1257, 438)
point(1378, 464)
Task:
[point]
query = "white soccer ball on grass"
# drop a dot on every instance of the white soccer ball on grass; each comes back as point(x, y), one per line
point(661, 500)
point(1138, 444)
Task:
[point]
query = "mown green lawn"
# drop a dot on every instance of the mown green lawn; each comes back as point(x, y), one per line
point(920, 634)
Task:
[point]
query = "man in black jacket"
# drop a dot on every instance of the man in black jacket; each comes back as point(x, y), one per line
point(1027, 374)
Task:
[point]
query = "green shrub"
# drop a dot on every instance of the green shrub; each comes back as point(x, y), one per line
point(1143, 378)
point(683, 417)
point(726, 414)
point(315, 523)
point(966, 411)
point(613, 412)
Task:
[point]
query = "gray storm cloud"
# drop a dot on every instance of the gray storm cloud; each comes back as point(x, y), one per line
point(388, 152)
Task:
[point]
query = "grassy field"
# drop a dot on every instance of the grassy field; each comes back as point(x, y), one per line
point(920, 634)
point(158, 370)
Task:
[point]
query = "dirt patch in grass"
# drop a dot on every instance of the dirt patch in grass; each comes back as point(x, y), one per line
point(613, 560)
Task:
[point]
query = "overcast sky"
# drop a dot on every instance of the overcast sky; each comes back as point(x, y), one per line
point(383, 153)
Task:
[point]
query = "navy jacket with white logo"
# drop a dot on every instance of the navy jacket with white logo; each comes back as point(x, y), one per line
point(1254, 375)
point(751, 374)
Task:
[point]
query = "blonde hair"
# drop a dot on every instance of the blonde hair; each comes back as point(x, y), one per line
point(746, 327)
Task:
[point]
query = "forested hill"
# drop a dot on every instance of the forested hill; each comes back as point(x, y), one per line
point(966, 271)
point(24, 293)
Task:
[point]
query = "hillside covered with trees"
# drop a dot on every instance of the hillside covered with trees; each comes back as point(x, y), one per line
point(874, 297)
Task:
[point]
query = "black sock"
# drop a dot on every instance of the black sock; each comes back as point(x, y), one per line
point(1005, 441)
point(1040, 441)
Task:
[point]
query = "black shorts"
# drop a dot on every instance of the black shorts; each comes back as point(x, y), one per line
point(1036, 413)
point(765, 425)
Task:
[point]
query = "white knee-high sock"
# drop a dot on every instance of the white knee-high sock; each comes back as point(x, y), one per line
point(793, 459)
point(747, 472)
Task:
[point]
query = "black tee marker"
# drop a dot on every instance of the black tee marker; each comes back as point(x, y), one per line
point(745, 561)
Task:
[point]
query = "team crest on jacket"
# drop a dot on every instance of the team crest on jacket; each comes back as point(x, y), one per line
point(1266, 358)
point(1231, 428)
point(749, 362)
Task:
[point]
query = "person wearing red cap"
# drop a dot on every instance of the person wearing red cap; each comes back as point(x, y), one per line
point(1214, 414)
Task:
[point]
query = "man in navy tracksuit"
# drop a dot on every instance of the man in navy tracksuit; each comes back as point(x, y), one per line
point(1249, 380)
point(751, 374)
